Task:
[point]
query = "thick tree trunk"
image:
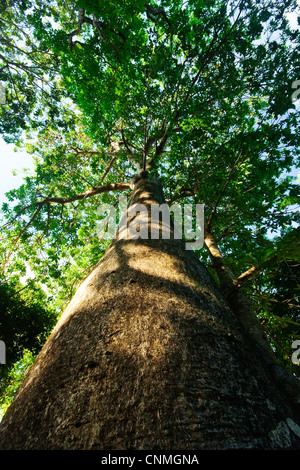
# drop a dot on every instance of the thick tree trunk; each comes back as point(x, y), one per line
point(148, 355)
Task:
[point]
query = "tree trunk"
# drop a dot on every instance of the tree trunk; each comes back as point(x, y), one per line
point(148, 355)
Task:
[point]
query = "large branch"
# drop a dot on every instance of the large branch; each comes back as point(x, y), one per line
point(66, 200)
point(91, 192)
point(232, 171)
point(81, 19)
point(98, 25)
point(112, 161)
point(130, 154)
point(254, 270)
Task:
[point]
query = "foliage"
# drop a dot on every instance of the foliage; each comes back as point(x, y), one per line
point(280, 309)
point(275, 293)
point(28, 71)
point(25, 324)
point(11, 381)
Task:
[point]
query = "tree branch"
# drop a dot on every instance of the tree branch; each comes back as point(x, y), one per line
point(91, 192)
point(130, 153)
point(254, 269)
point(112, 161)
point(81, 19)
point(160, 148)
point(64, 200)
point(232, 171)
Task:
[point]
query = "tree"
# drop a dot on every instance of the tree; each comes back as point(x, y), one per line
point(24, 327)
point(28, 71)
point(188, 93)
point(140, 353)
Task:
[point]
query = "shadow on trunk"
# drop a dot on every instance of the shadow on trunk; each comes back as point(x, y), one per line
point(148, 355)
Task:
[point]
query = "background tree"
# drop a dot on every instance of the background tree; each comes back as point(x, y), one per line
point(24, 327)
point(28, 70)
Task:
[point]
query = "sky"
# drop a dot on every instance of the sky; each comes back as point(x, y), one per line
point(9, 161)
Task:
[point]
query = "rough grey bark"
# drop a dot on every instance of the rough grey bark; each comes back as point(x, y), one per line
point(148, 355)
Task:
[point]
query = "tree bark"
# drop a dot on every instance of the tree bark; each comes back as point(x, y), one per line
point(148, 355)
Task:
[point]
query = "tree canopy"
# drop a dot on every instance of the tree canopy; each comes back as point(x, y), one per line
point(198, 93)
